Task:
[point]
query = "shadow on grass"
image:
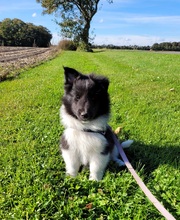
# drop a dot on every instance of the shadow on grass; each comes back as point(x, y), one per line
point(151, 156)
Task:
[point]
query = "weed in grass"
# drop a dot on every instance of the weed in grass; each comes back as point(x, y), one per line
point(33, 181)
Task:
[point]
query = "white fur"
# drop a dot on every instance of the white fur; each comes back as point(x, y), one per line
point(68, 121)
point(85, 148)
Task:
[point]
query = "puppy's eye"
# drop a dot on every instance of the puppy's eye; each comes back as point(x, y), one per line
point(77, 97)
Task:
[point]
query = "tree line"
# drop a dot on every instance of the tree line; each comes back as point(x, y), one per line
point(123, 47)
point(15, 32)
point(166, 46)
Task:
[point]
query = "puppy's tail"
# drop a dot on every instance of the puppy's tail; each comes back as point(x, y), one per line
point(115, 156)
point(126, 144)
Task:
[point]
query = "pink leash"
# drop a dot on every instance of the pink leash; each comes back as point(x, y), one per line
point(146, 191)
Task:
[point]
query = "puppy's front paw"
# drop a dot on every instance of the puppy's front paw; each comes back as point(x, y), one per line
point(93, 178)
point(71, 174)
point(96, 176)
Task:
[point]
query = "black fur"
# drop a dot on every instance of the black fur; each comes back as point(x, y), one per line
point(64, 143)
point(86, 96)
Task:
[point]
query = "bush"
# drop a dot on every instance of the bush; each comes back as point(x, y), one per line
point(67, 45)
point(84, 47)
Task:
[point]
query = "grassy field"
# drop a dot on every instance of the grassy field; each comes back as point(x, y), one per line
point(144, 90)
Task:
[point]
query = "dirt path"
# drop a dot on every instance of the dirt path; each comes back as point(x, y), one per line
point(13, 59)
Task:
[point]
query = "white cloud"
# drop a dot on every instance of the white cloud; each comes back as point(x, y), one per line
point(55, 39)
point(34, 15)
point(121, 40)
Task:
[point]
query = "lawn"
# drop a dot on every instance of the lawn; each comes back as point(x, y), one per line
point(144, 91)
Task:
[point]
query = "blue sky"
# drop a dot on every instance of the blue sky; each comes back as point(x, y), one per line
point(125, 22)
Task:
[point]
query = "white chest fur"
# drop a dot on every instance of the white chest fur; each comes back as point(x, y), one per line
point(84, 145)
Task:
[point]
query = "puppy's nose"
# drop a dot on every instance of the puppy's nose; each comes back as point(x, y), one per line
point(84, 115)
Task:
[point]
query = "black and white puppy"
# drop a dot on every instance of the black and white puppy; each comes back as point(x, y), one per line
point(87, 139)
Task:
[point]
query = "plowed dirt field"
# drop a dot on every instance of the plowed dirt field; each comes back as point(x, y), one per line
point(12, 59)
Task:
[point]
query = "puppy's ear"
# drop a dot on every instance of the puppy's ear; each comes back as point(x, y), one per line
point(102, 81)
point(70, 75)
point(105, 83)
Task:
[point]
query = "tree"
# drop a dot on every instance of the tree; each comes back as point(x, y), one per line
point(155, 46)
point(167, 46)
point(76, 17)
point(14, 32)
point(43, 36)
point(1, 37)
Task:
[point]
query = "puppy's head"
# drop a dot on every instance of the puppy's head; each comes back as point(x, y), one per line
point(86, 96)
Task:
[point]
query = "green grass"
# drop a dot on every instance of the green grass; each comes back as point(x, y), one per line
point(144, 90)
